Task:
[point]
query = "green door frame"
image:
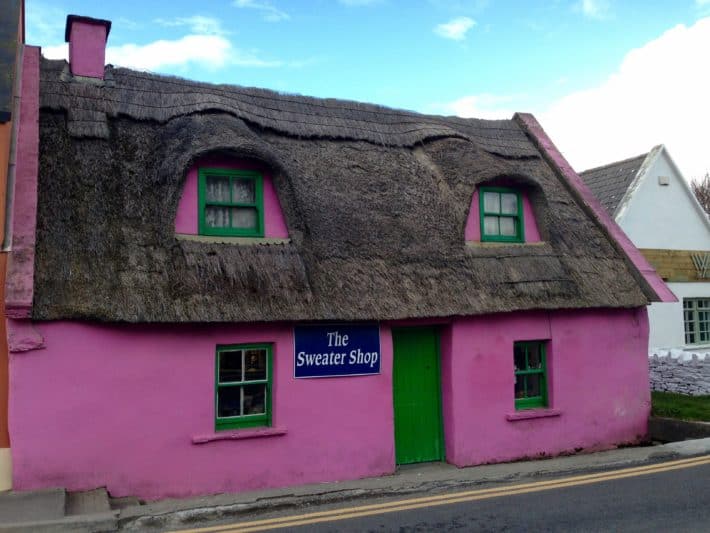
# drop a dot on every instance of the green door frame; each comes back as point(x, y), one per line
point(440, 454)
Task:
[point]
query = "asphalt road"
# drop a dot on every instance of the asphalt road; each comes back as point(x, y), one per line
point(672, 497)
point(673, 501)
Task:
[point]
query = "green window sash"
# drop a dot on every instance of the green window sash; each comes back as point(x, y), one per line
point(230, 202)
point(241, 375)
point(501, 215)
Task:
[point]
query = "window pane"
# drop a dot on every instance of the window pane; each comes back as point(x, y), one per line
point(229, 401)
point(519, 356)
point(230, 366)
point(255, 362)
point(491, 202)
point(533, 385)
point(244, 217)
point(490, 226)
point(217, 217)
point(507, 226)
point(254, 399)
point(243, 191)
point(534, 356)
point(217, 189)
point(519, 387)
point(509, 203)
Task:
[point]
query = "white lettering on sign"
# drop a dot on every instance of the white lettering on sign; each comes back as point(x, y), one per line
point(336, 339)
point(356, 357)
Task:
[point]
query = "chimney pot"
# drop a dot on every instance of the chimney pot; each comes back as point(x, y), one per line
point(87, 45)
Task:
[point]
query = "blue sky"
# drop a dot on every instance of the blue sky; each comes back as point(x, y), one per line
point(607, 79)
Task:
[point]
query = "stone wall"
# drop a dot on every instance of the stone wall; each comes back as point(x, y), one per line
point(681, 372)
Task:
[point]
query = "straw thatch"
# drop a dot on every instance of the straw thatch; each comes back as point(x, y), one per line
point(375, 201)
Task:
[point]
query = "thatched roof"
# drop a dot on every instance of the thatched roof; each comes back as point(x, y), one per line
point(610, 182)
point(375, 201)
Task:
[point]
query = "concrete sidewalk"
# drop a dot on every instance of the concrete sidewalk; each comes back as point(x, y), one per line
point(58, 511)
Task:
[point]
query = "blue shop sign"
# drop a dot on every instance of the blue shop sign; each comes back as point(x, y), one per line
point(336, 350)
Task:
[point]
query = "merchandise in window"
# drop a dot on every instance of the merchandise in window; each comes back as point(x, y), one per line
point(231, 202)
point(696, 317)
point(243, 388)
point(530, 374)
point(501, 215)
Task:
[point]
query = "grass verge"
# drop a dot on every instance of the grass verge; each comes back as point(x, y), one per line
point(673, 405)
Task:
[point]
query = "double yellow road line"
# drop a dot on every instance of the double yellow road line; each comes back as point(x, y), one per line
point(446, 499)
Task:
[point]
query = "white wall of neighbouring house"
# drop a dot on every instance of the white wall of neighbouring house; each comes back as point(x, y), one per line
point(666, 319)
point(664, 216)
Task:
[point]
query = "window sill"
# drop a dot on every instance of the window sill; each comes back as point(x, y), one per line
point(494, 244)
point(529, 414)
point(231, 240)
point(239, 434)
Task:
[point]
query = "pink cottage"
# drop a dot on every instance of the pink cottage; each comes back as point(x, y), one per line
point(225, 288)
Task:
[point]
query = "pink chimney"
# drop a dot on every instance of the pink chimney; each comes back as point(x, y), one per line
point(87, 45)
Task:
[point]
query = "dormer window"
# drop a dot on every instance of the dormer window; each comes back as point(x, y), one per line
point(501, 212)
point(231, 202)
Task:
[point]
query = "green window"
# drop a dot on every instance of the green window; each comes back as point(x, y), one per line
point(530, 374)
point(231, 202)
point(243, 388)
point(696, 318)
point(501, 215)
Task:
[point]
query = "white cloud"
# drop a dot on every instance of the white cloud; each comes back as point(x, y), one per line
point(488, 106)
point(455, 29)
point(660, 93)
point(198, 24)
point(210, 51)
point(701, 3)
point(595, 9)
point(271, 13)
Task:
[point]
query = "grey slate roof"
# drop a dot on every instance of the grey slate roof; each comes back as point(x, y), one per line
point(610, 182)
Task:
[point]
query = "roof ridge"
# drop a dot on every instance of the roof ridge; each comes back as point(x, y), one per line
point(615, 163)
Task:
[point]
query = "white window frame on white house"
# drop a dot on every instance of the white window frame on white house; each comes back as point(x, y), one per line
point(696, 320)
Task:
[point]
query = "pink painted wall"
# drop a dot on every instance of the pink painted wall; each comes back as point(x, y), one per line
point(555, 157)
point(597, 382)
point(87, 49)
point(473, 222)
point(186, 218)
point(19, 284)
point(118, 406)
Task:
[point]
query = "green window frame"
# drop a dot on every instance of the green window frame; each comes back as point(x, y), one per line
point(696, 320)
point(231, 202)
point(530, 363)
point(243, 386)
point(500, 220)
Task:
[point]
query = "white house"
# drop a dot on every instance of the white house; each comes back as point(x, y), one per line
point(652, 202)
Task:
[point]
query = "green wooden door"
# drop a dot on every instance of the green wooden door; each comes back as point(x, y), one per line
point(417, 396)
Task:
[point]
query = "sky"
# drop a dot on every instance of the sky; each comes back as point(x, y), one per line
point(607, 79)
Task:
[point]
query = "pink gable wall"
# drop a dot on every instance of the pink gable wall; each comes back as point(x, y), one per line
point(186, 218)
point(87, 49)
point(597, 382)
point(135, 399)
point(473, 222)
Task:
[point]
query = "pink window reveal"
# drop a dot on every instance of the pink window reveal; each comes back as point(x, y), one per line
point(473, 222)
point(186, 220)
